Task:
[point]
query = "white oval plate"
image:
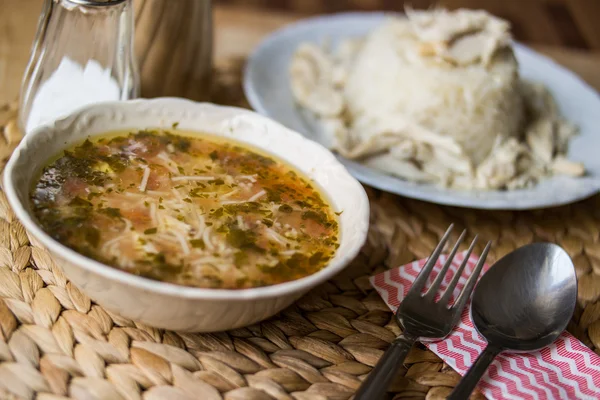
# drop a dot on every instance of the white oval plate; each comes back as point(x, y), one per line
point(268, 90)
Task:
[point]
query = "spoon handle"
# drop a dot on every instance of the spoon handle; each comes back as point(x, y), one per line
point(376, 385)
point(463, 390)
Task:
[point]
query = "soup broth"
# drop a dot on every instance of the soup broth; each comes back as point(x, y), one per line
point(190, 210)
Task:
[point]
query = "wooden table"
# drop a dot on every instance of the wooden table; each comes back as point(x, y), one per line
point(240, 28)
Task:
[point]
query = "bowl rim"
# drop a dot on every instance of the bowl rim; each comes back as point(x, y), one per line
point(362, 213)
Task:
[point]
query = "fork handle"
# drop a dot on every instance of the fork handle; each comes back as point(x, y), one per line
point(376, 385)
point(467, 384)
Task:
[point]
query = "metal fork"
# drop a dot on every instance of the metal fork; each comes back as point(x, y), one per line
point(420, 317)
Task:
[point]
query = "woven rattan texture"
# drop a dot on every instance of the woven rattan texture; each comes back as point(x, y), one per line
point(56, 344)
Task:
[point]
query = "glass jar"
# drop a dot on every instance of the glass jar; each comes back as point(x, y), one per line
point(82, 54)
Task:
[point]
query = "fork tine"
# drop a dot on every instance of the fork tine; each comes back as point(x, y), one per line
point(440, 277)
point(418, 284)
point(459, 304)
point(448, 293)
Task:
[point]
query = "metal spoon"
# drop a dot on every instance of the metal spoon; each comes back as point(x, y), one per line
point(522, 304)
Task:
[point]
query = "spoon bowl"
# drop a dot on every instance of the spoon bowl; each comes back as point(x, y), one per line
point(522, 304)
point(526, 300)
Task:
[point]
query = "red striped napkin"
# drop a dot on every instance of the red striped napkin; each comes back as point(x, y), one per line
point(565, 370)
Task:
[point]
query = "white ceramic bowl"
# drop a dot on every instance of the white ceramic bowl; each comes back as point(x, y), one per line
point(166, 305)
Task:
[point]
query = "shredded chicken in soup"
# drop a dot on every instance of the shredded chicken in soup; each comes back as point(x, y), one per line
point(190, 210)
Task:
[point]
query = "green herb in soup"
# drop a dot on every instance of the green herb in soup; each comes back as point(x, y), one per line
point(186, 210)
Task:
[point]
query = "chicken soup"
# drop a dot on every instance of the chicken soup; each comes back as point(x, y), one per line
point(194, 210)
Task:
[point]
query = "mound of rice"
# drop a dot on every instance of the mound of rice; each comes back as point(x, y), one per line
point(457, 103)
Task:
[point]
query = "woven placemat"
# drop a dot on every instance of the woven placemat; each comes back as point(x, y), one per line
point(57, 344)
